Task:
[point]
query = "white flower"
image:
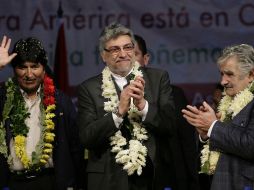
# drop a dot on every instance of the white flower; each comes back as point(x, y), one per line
point(229, 107)
point(204, 154)
point(240, 101)
point(116, 149)
point(213, 159)
point(133, 158)
point(223, 107)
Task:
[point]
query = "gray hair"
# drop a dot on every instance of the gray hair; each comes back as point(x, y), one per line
point(113, 31)
point(244, 54)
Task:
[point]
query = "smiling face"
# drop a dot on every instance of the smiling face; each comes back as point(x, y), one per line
point(232, 77)
point(29, 76)
point(119, 62)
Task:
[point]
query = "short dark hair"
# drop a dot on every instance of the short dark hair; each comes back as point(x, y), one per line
point(30, 49)
point(141, 43)
point(112, 31)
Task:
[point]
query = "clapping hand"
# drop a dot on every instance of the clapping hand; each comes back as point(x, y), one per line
point(135, 91)
point(5, 58)
point(201, 118)
point(138, 89)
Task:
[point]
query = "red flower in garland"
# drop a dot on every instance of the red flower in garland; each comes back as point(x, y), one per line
point(49, 91)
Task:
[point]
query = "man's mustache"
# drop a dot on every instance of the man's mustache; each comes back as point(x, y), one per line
point(227, 86)
point(28, 79)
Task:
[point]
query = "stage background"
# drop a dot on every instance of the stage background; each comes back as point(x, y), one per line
point(184, 37)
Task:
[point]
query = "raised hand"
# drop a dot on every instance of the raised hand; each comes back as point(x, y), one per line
point(138, 89)
point(124, 101)
point(134, 91)
point(201, 118)
point(5, 58)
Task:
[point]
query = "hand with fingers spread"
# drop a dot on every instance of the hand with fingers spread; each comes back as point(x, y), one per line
point(5, 58)
point(201, 118)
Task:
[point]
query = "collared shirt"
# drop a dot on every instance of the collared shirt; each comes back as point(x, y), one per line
point(34, 124)
point(208, 132)
point(121, 82)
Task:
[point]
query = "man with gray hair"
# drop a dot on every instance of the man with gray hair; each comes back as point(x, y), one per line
point(229, 152)
point(125, 117)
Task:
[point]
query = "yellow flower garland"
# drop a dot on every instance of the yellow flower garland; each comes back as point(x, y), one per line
point(20, 150)
point(44, 148)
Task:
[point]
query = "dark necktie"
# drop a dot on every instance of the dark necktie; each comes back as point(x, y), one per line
point(128, 79)
point(126, 123)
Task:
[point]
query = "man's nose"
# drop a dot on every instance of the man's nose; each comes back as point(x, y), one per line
point(29, 72)
point(224, 81)
point(122, 52)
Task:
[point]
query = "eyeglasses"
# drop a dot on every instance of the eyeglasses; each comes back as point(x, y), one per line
point(114, 50)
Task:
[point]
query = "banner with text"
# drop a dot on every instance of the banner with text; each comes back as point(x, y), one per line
point(184, 37)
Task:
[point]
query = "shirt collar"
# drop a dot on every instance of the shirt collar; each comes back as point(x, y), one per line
point(118, 77)
point(24, 94)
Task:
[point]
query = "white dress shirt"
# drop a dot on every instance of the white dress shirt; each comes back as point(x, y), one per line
point(208, 132)
point(34, 124)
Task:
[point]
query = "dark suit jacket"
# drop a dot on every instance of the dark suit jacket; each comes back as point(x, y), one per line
point(96, 126)
point(67, 152)
point(235, 141)
point(188, 139)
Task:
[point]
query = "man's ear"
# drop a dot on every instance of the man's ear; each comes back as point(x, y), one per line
point(251, 75)
point(103, 57)
point(146, 59)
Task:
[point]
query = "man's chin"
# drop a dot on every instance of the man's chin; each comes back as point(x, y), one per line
point(30, 90)
point(230, 92)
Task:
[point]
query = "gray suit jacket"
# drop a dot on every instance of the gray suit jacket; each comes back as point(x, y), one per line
point(235, 141)
point(96, 126)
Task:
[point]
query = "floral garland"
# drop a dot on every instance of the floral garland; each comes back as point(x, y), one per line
point(133, 157)
point(15, 109)
point(229, 107)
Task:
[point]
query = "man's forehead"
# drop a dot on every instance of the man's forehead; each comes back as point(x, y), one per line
point(230, 64)
point(119, 40)
point(227, 71)
point(29, 63)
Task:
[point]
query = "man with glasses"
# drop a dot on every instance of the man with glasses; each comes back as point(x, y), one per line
point(125, 117)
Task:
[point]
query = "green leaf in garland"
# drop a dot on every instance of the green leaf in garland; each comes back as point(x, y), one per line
point(205, 168)
point(3, 147)
point(19, 111)
point(9, 99)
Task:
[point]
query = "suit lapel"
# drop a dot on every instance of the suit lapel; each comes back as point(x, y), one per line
point(118, 91)
point(148, 93)
point(150, 144)
point(240, 119)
